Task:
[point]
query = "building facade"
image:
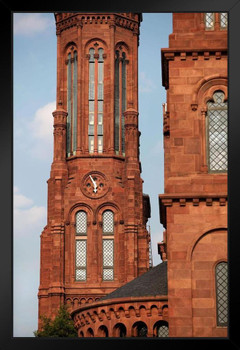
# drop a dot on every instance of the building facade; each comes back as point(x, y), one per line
point(193, 208)
point(95, 247)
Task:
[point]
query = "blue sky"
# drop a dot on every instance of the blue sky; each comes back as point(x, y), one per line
point(34, 90)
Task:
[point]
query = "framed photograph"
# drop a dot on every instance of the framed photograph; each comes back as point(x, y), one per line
point(119, 148)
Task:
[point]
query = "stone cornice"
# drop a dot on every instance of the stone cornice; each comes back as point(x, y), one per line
point(68, 20)
point(169, 54)
point(167, 200)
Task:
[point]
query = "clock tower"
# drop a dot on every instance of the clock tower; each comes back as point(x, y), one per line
point(95, 239)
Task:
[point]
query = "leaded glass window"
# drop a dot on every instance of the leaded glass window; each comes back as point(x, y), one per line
point(108, 223)
point(217, 126)
point(81, 246)
point(223, 19)
point(107, 259)
point(222, 294)
point(108, 245)
point(81, 260)
point(81, 223)
point(162, 330)
point(209, 20)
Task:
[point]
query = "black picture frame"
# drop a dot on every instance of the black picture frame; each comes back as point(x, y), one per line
point(7, 8)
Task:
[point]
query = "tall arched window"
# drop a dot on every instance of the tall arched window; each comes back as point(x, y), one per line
point(120, 100)
point(72, 101)
point(95, 99)
point(81, 246)
point(108, 245)
point(222, 294)
point(217, 120)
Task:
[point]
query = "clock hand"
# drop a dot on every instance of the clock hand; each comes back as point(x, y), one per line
point(94, 184)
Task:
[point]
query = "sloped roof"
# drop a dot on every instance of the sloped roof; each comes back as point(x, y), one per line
point(151, 283)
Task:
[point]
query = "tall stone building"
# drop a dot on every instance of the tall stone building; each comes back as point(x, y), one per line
point(95, 247)
point(193, 208)
point(96, 238)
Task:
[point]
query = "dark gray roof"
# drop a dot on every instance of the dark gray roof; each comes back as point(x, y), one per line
point(151, 283)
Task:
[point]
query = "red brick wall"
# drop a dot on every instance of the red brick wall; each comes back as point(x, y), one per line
point(193, 207)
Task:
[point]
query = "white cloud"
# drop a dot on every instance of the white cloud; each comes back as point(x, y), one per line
point(28, 218)
point(42, 124)
point(20, 201)
point(29, 24)
point(41, 130)
point(145, 84)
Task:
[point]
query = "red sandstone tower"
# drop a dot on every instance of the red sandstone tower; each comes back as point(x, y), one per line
point(95, 239)
point(193, 208)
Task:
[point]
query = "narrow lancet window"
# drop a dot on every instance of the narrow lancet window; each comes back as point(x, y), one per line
point(120, 101)
point(217, 126)
point(72, 93)
point(108, 245)
point(96, 99)
point(74, 102)
point(222, 294)
point(81, 246)
point(100, 101)
point(91, 100)
point(69, 103)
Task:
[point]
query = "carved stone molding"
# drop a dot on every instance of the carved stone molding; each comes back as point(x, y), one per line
point(167, 200)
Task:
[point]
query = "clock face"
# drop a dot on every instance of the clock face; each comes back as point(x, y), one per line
point(94, 185)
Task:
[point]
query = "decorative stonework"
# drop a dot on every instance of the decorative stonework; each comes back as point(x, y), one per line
point(168, 200)
point(68, 20)
point(124, 311)
point(188, 55)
